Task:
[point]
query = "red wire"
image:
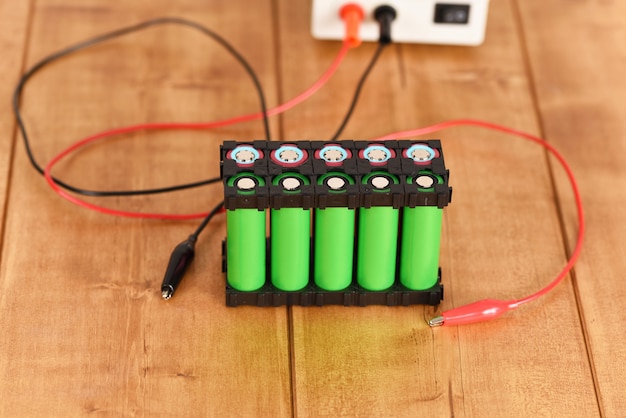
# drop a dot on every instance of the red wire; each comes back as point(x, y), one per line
point(475, 312)
point(179, 126)
point(491, 308)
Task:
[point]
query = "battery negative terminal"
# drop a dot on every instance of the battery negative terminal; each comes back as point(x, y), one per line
point(291, 183)
point(380, 182)
point(246, 183)
point(335, 183)
point(425, 181)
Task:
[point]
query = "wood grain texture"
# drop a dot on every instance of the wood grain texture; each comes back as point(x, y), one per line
point(14, 23)
point(84, 330)
point(578, 58)
point(501, 239)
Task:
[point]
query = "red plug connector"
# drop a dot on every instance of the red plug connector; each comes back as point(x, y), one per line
point(352, 14)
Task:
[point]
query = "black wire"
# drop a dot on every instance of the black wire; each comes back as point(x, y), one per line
point(357, 92)
point(208, 218)
point(17, 96)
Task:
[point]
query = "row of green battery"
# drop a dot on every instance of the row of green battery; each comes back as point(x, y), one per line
point(334, 243)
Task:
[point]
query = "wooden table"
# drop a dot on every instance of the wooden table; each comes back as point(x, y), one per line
point(83, 328)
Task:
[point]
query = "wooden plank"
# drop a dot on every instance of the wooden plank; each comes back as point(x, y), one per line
point(14, 23)
point(84, 329)
point(501, 239)
point(578, 61)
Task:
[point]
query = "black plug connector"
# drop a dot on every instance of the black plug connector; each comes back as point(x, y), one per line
point(181, 258)
point(384, 15)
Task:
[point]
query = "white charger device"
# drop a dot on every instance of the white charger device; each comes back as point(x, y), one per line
point(456, 22)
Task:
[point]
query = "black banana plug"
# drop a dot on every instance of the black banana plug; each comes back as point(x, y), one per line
point(385, 15)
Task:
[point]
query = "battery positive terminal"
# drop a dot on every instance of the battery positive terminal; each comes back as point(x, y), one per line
point(420, 153)
point(245, 155)
point(289, 156)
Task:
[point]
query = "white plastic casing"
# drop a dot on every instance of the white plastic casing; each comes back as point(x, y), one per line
point(415, 21)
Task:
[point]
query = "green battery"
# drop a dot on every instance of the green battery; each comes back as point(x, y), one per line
point(245, 239)
point(334, 238)
point(290, 238)
point(378, 238)
point(421, 237)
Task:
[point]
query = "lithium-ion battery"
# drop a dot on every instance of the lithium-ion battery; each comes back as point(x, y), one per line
point(421, 236)
point(334, 238)
point(245, 238)
point(376, 209)
point(290, 238)
point(377, 237)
